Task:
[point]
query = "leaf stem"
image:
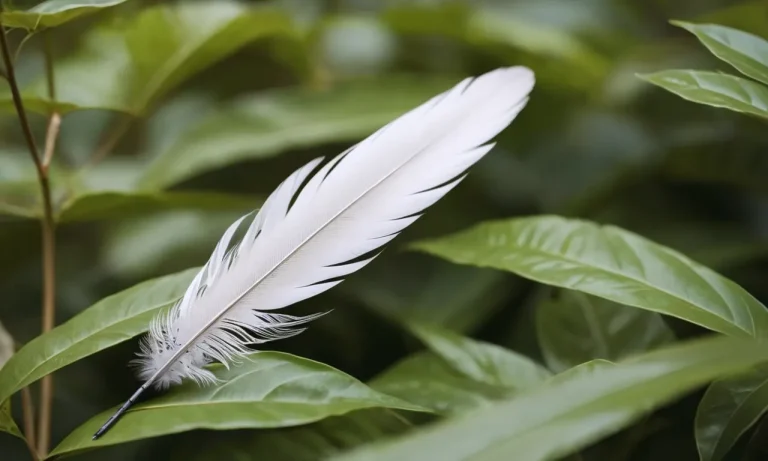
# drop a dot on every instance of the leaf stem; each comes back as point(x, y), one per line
point(28, 411)
point(48, 235)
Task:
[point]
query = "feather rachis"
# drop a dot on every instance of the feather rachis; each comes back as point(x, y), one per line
point(350, 207)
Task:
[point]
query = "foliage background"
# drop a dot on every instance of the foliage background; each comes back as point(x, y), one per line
point(595, 142)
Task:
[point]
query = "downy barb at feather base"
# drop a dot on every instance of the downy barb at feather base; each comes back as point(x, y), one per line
point(304, 240)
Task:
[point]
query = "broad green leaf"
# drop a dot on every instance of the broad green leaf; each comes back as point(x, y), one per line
point(312, 442)
point(97, 205)
point(576, 328)
point(746, 52)
point(270, 390)
point(728, 409)
point(559, 418)
point(52, 13)
point(714, 89)
point(425, 379)
point(112, 320)
point(267, 124)
point(610, 263)
point(7, 424)
point(128, 64)
point(480, 361)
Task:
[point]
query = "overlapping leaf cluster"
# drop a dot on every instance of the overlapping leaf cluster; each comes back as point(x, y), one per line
point(602, 264)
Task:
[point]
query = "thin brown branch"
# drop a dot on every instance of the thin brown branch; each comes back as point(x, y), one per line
point(18, 103)
point(28, 412)
point(48, 241)
point(49, 317)
point(49, 254)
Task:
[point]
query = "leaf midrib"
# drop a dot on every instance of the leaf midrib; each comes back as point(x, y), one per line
point(541, 252)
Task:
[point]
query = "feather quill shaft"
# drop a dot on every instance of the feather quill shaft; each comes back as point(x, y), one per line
point(315, 229)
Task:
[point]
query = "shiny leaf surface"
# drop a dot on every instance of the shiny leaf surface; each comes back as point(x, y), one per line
point(270, 390)
point(714, 89)
point(746, 52)
point(610, 263)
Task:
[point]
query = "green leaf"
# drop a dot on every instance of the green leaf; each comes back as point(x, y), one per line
point(112, 320)
point(728, 409)
point(270, 390)
point(312, 442)
point(161, 243)
point(559, 418)
point(480, 361)
point(458, 373)
point(746, 52)
point(98, 205)
point(610, 263)
point(7, 424)
point(53, 13)
point(411, 288)
point(267, 124)
point(127, 65)
point(576, 328)
point(714, 89)
point(426, 380)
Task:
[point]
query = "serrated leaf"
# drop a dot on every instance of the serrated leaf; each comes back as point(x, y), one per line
point(127, 65)
point(714, 89)
point(273, 122)
point(98, 205)
point(728, 409)
point(312, 442)
point(481, 361)
point(112, 320)
point(746, 52)
point(52, 13)
point(559, 418)
point(270, 390)
point(575, 328)
point(610, 263)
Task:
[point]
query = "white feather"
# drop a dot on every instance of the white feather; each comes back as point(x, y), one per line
point(350, 207)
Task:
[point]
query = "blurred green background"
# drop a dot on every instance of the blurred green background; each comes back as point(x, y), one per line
point(595, 141)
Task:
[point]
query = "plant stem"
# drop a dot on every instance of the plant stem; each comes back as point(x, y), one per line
point(49, 253)
point(48, 236)
point(28, 410)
